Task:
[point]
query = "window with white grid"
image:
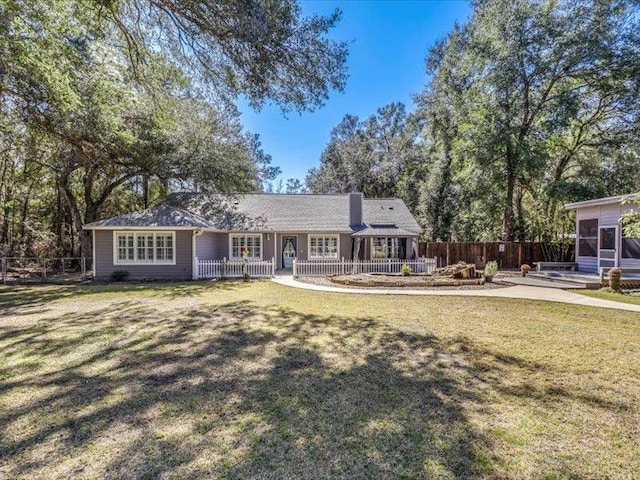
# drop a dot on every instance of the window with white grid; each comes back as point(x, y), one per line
point(144, 247)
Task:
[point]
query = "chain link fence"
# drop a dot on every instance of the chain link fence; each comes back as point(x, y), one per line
point(22, 270)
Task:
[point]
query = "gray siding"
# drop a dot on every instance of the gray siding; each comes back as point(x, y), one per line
point(212, 246)
point(345, 246)
point(181, 270)
point(355, 209)
point(216, 246)
point(303, 246)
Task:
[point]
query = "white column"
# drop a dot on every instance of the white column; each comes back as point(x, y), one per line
point(275, 249)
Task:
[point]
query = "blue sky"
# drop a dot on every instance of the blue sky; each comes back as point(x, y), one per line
point(388, 43)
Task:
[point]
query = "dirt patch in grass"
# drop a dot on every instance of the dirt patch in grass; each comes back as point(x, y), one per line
point(256, 380)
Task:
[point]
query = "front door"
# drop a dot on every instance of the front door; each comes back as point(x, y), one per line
point(289, 250)
point(608, 247)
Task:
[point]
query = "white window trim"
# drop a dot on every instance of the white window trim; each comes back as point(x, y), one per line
point(597, 237)
point(135, 260)
point(323, 235)
point(618, 244)
point(237, 235)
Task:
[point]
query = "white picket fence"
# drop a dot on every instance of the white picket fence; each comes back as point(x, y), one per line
point(234, 268)
point(323, 268)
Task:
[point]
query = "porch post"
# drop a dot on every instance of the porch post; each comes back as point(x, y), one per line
point(275, 250)
point(356, 253)
point(414, 247)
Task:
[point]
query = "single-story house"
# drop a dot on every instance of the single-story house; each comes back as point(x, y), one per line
point(600, 238)
point(165, 241)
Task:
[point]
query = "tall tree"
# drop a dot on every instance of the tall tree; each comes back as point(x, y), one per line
point(128, 98)
point(369, 156)
point(545, 84)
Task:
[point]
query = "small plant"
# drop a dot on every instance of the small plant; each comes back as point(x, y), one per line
point(615, 275)
point(406, 270)
point(119, 275)
point(525, 269)
point(490, 269)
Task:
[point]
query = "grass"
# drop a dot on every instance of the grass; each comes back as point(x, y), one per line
point(255, 380)
point(633, 298)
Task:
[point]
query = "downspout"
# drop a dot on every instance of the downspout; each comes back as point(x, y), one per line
point(194, 259)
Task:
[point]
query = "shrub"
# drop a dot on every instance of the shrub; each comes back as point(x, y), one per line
point(406, 269)
point(490, 269)
point(614, 279)
point(119, 275)
point(525, 269)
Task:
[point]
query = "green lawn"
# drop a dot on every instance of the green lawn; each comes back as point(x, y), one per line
point(633, 298)
point(255, 380)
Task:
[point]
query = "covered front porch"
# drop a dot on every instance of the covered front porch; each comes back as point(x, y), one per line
point(379, 242)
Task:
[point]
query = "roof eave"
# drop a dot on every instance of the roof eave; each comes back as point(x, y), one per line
point(599, 201)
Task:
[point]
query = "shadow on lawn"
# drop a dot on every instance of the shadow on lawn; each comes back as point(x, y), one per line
point(29, 299)
point(238, 391)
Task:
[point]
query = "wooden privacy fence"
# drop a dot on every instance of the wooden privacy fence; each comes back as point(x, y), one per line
point(323, 268)
point(509, 255)
point(234, 268)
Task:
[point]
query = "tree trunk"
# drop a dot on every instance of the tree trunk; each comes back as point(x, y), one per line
point(145, 191)
point(508, 219)
point(23, 221)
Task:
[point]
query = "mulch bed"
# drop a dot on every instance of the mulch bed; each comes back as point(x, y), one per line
point(391, 283)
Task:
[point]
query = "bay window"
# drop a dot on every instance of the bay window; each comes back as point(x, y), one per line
point(252, 242)
point(323, 246)
point(144, 248)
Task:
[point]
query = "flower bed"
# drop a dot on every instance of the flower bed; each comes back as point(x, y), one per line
point(399, 280)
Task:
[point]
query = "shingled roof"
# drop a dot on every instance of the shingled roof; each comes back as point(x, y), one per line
point(266, 212)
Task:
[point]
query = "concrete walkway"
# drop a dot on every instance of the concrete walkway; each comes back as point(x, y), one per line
point(519, 291)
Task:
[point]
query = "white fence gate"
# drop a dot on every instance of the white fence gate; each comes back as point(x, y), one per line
point(323, 268)
point(234, 268)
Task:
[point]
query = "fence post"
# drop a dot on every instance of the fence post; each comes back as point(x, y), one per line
point(196, 268)
point(273, 266)
point(389, 265)
point(295, 268)
point(519, 253)
point(44, 271)
point(83, 266)
point(3, 267)
point(342, 267)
